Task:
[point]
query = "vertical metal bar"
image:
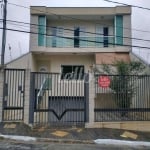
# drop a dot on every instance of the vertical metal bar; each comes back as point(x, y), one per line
point(9, 91)
point(37, 75)
point(32, 98)
point(3, 107)
point(57, 86)
point(10, 94)
point(17, 95)
point(21, 75)
point(86, 98)
point(51, 99)
point(14, 97)
point(6, 80)
point(54, 98)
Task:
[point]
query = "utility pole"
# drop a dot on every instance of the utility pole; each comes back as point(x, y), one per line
point(4, 33)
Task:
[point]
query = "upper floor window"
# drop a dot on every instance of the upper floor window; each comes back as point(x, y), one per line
point(57, 37)
point(102, 36)
point(79, 37)
point(76, 36)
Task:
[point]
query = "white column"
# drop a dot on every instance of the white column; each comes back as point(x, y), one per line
point(91, 100)
point(27, 96)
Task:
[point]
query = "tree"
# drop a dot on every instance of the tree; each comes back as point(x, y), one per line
point(123, 81)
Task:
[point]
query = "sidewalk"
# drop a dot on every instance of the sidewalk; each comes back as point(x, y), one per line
point(79, 135)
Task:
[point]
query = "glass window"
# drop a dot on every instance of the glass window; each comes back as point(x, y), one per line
point(72, 72)
point(105, 30)
point(76, 36)
point(57, 34)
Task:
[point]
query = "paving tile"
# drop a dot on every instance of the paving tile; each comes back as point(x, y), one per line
point(10, 126)
point(60, 133)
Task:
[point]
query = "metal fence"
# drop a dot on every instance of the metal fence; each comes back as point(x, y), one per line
point(122, 98)
point(13, 95)
point(57, 101)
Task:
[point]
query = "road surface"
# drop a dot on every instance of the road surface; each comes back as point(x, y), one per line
point(16, 145)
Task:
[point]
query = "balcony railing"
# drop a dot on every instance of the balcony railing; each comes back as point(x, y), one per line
point(85, 42)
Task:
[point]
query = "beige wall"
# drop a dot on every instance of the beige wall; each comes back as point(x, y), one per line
point(110, 58)
point(51, 62)
point(127, 32)
point(23, 62)
point(81, 10)
point(34, 29)
point(54, 62)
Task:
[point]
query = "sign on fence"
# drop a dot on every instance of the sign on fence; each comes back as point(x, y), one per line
point(104, 81)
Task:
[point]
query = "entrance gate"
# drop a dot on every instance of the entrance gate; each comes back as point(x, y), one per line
point(57, 101)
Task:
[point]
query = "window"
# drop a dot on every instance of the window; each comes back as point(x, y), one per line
point(72, 72)
point(57, 34)
point(102, 36)
point(79, 37)
point(105, 31)
point(99, 36)
point(76, 36)
point(54, 33)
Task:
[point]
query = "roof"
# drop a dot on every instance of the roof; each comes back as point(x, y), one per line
point(39, 10)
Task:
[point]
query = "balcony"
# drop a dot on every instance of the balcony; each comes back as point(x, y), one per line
point(83, 42)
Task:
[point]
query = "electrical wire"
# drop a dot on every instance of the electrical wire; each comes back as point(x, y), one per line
point(110, 1)
point(73, 17)
point(65, 29)
point(72, 38)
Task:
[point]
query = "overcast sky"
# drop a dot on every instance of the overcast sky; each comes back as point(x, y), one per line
point(19, 42)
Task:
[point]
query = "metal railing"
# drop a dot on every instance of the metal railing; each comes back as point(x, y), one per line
point(122, 98)
point(83, 41)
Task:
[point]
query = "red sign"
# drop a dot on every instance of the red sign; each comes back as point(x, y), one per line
point(104, 81)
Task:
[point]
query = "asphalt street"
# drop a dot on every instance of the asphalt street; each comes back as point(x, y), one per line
point(16, 145)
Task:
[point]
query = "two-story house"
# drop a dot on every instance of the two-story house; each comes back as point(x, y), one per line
point(64, 39)
point(66, 43)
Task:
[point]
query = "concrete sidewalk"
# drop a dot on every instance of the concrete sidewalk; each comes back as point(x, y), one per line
point(72, 134)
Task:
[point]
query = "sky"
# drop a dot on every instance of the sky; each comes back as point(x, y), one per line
point(17, 43)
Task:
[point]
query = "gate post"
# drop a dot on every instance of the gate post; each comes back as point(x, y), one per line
point(27, 96)
point(1, 92)
point(90, 122)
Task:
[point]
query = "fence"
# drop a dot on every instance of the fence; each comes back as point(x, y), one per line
point(57, 101)
point(13, 95)
point(122, 98)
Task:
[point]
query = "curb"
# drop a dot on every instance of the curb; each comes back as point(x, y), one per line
point(68, 141)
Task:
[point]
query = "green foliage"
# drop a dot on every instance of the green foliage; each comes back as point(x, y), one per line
point(123, 83)
point(124, 68)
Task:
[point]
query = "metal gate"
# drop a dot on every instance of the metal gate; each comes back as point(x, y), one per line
point(13, 94)
point(57, 101)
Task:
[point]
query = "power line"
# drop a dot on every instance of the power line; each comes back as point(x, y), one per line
point(124, 37)
point(135, 46)
point(139, 30)
point(127, 4)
